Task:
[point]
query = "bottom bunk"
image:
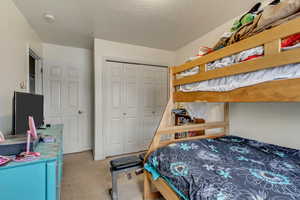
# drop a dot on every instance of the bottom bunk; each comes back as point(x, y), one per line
point(228, 167)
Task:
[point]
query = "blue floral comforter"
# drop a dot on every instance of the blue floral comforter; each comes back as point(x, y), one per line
point(229, 168)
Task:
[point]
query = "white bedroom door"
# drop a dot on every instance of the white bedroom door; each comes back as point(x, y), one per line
point(133, 102)
point(71, 110)
point(63, 91)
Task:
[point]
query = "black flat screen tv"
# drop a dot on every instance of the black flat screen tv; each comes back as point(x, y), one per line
point(25, 105)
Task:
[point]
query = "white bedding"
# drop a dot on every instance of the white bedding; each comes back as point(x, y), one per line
point(241, 80)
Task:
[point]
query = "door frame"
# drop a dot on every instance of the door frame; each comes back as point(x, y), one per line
point(101, 117)
point(38, 65)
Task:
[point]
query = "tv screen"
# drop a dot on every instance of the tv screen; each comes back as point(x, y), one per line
point(25, 105)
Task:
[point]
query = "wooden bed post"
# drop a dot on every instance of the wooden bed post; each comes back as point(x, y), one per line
point(226, 118)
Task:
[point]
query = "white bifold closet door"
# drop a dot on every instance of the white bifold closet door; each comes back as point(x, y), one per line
point(153, 98)
point(134, 97)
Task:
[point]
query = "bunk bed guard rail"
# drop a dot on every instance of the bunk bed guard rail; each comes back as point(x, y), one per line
point(286, 90)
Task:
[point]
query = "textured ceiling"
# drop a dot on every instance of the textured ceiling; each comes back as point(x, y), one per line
point(163, 24)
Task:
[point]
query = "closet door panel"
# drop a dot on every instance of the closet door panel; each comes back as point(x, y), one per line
point(149, 98)
point(149, 88)
point(155, 87)
point(131, 90)
point(113, 118)
point(148, 131)
point(148, 106)
point(131, 108)
point(131, 132)
point(116, 98)
point(161, 89)
point(115, 145)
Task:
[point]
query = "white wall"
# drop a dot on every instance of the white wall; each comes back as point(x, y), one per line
point(83, 59)
point(123, 52)
point(276, 123)
point(16, 37)
point(209, 40)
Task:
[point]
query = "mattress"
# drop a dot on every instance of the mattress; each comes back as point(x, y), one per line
point(229, 83)
point(228, 168)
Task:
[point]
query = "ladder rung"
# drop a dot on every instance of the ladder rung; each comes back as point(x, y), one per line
point(193, 127)
point(211, 136)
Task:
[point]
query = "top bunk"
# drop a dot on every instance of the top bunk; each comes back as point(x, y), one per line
point(272, 76)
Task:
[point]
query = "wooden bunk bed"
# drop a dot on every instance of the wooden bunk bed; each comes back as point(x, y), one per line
point(274, 91)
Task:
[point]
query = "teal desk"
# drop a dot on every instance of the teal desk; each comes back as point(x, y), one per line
point(39, 179)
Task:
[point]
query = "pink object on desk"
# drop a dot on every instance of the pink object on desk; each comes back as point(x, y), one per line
point(4, 160)
point(31, 133)
point(32, 129)
point(25, 158)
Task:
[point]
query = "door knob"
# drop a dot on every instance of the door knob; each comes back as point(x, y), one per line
point(124, 113)
point(80, 112)
point(153, 112)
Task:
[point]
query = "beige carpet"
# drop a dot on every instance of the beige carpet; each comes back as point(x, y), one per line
point(85, 179)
